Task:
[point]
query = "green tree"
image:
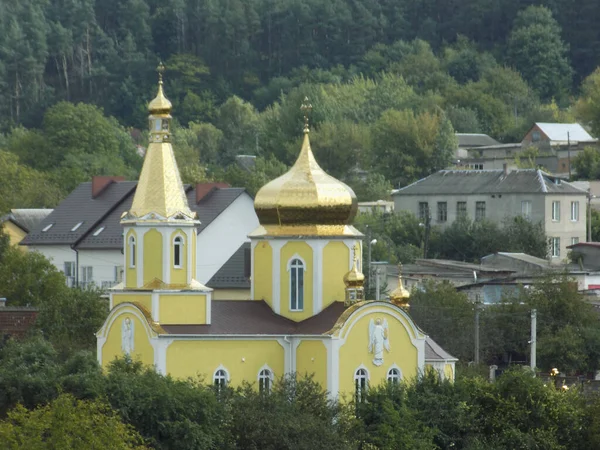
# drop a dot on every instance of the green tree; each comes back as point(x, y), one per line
point(67, 423)
point(587, 164)
point(588, 104)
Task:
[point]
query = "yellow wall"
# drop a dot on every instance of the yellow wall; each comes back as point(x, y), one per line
point(153, 255)
point(231, 294)
point(130, 273)
point(179, 276)
point(142, 350)
point(262, 272)
point(354, 352)
point(305, 252)
point(182, 309)
point(311, 358)
point(15, 234)
point(191, 358)
point(144, 299)
point(448, 372)
point(336, 257)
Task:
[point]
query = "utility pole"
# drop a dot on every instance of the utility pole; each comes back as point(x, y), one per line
point(589, 214)
point(569, 153)
point(533, 357)
point(477, 330)
point(427, 231)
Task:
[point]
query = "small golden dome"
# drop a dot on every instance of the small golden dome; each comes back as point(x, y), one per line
point(354, 278)
point(160, 104)
point(400, 295)
point(305, 195)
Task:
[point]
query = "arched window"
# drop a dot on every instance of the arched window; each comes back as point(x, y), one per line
point(177, 251)
point(361, 380)
point(296, 285)
point(265, 380)
point(131, 251)
point(220, 378)
point(393, 375)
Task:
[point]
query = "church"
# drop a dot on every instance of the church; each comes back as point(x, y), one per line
point(307, 313)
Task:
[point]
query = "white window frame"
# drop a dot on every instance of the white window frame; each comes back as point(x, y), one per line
point(87, 275)
point(361, 374)
point(265, 379)
point(221, 377)
point(555, 210)
point(119, 272)
point(132, 250)
point(575, 211)
point(394, 374)
point(480, 210)
point(293, 269)
point(555, 247)
point(526, 208)
point(574, 240)
point(178, 243)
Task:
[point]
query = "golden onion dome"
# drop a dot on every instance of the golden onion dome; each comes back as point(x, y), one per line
point(305, 195)
point(400, 295)
point(354, 278)
point(160, 104)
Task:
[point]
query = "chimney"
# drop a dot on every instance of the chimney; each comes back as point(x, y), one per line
point(203, 189)
point(99, 183)
point(505, 168)
point(2, 302)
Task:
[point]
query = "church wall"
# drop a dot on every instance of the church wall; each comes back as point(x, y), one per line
point(305, 252)
point(143, 299)
point(449, 371)
point(336, 257)
point(178, 275)
point(153, 255)
point(130, 272)
point(354, 352)
point(311, 358)
point(142, 349)
point(182, 309)
point(243, 359)
point(262, 272)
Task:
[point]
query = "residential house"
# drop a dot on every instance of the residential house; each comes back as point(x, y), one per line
point(83, 236)
point(232, 280)
point(378, 206)
point(18, 222)
point(497, 194)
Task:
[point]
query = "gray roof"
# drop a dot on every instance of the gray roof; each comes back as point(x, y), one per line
point(467, 140)
point(233, 274)
point(564, 132)
point(522, 257)
point(27, 219)
point(105, 211)
point(466, 182)
point(433, 352)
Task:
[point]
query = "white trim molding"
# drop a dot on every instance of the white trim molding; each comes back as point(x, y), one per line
point(224, 369)
point(276, 246)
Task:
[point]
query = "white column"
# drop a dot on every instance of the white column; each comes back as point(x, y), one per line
point(139, 248)
point(276, 282)
point(253, 244)
point(188, 269)
point(155, 307)
point(166, 269)
point(317, 246)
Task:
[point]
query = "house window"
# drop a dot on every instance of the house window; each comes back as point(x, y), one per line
point(265, 380)
point(47, 227)
point(76, 227)
point(479, 210)
point(423, 211)
point(361, 380)
point(177, 250)
point(393, 375)
point(555, 247)
point(296, 285)
point(442, 210)
point(575, 211)
point(70, 273)
point(98, 231)
point(535, 136)
point(87, 275)
point(220, 379)
point(461, 209)
point(526, 209)
point(556, 211)
point(574, 240)
point(118, 274)
point(131, 251)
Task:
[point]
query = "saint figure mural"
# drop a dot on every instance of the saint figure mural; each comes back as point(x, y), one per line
point(378, 339)
point(127, 336)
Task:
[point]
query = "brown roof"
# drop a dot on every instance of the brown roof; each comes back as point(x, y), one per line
point(16, 321)
point(255, 317)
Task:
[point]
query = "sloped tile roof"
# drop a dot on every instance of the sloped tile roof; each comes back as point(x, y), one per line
point(565, 132)
point(434, 352)
point(27, 219)
point(467, 182)
point(232, 274)
point(475, 140)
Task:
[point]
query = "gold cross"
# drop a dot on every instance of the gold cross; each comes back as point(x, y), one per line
point(160, 69)
point(306, 108)
point(356, 251)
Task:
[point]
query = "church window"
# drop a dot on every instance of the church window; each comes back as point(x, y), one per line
point(361, 379)
point(177, 246)
point(131, 251)
point(296, 285)
point(265, 380)
point(393, 375)
point(220, 379)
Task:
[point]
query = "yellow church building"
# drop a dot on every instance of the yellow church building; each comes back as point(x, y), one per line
point(307, 316)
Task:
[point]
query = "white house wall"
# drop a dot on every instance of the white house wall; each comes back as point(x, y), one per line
point(104, 263)
point(57, 254)
point(219, 241)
